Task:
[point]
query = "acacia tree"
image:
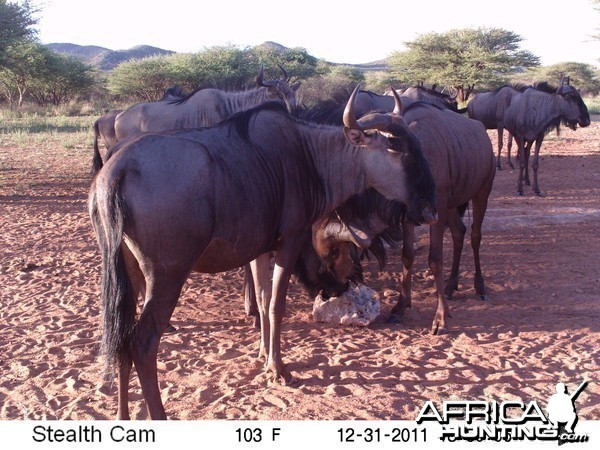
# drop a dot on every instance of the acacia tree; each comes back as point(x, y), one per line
point(65, 78)
point(461, 59)
point(582, 76)
point(15, 25)
point(141, 79)
point(26, 60)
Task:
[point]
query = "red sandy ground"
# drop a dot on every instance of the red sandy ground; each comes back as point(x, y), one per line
point(540, 326)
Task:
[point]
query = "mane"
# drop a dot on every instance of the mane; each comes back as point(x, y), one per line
point(422, 104)
point(432, 91)
point(184, 98)
point(370, 93)
point(329, 112)
point(544, 86)
point(241, 123)
point(521, 87)
point(174, 91)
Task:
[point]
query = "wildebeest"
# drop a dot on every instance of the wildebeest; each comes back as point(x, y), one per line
point(489, 109)
point(214, 199)
point(420, 93)
point(204, 107)
point(331, 112)
point(462, 162)
point(104, 127)
point(536, 112)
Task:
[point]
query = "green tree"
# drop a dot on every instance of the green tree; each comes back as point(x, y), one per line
point(141, 79)
point(582, 76)
point(225, 67)
point(461, 59)
point(296, 61)
point(332, 82)
point(26, 60)
point(64, 79)
point(16, 23)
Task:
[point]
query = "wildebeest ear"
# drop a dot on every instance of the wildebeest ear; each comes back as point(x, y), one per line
point(397, 145)
point(357, 137)
point(296, 85)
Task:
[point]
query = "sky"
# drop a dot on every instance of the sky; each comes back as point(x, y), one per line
point(347, 31)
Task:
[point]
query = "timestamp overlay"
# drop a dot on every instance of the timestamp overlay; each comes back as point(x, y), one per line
point(305, 435)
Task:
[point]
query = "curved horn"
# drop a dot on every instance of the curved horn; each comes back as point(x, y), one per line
point(260, 78)
point(340, 231)
point(284, 75)
point(350, 111)
point(398, 108)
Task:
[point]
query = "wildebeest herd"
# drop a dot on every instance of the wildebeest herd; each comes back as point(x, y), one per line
point(214, 180)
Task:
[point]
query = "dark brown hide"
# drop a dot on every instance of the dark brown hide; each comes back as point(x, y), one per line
point(462, 162)
point(536, 112)
point(214, 199)
point(489, 109)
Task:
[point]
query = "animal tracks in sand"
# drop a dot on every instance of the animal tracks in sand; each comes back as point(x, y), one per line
point(539, 326)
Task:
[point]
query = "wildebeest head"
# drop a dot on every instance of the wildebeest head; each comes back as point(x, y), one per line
point(576, 112)
point(393, 133)
point(328, 271)
point(280, 90)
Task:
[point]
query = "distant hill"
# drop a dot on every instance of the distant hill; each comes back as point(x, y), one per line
point(104, 58)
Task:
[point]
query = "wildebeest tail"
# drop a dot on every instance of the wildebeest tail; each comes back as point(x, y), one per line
point(97, 160)
point(108, 215)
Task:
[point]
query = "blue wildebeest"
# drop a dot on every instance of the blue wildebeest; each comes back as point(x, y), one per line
point(104, 127)
point(536, 112)
point(214, 199)
point(331, 112)
point(204, 107)
point(463, 166)
point(489, 109)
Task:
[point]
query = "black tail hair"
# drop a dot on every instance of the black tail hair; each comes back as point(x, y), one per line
point(97, 159)
point(118, 302)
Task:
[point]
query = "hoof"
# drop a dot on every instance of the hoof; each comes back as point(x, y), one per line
point(483, 298)
point(283, 379)
point(438, 331)
point(170, 329)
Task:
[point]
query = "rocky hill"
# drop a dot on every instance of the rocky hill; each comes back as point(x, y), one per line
point(106, 59)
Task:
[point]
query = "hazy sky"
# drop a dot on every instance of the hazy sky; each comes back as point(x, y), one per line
point(339, 31)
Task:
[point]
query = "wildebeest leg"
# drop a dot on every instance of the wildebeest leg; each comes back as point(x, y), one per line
point(458, 230)
point(161, 298)
point(522, 163)
point(285, 259)
point(508, 149)
point(436, 264)
point(123, 383)
point(260, 269)
point(138, 285)
point(527, 153)
point(281, 278)
point(535, 164)
point(500, 143)
point(479, 202)
point(408, 257)
point(250, 304)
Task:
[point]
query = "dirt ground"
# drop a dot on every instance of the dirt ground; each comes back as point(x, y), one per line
point(540, 326)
